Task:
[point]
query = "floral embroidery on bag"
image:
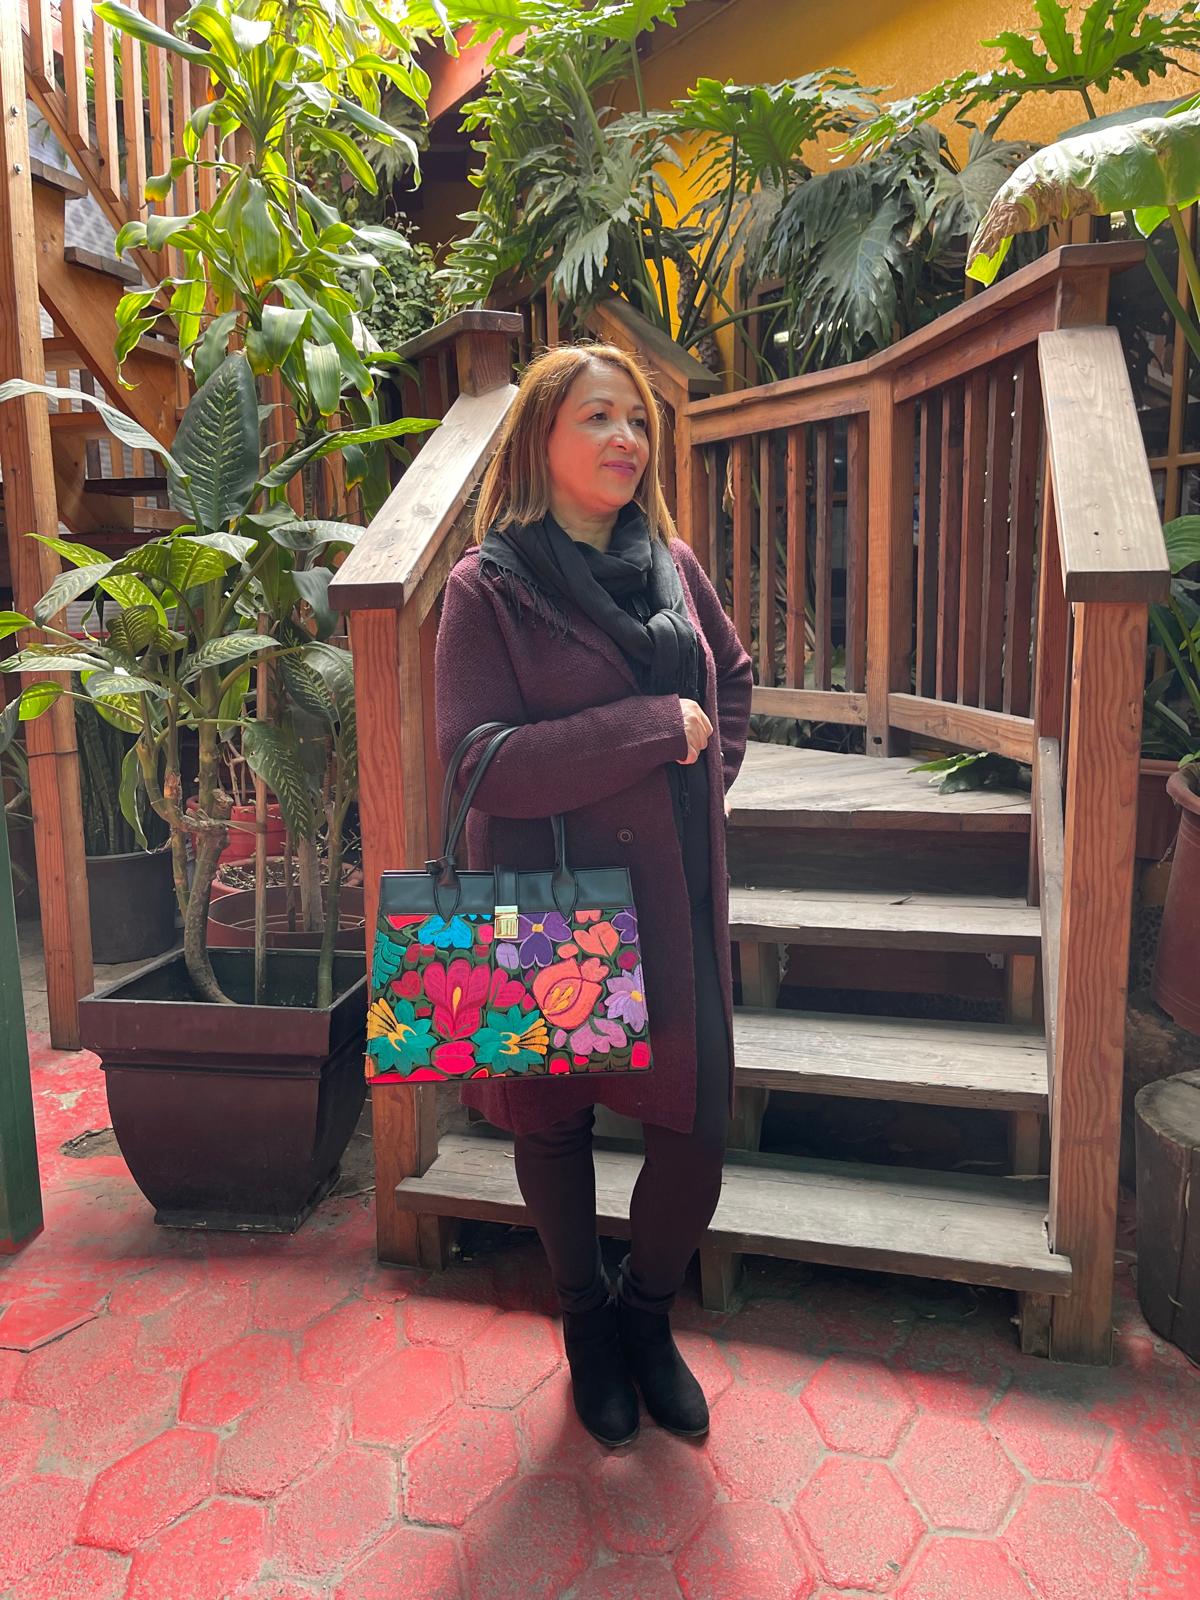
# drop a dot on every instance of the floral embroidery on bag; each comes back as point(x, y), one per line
point(451, 1001)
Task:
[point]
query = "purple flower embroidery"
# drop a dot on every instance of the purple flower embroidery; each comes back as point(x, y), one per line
point(539, 936)
point(625, 922)
point(598, 1036)
point(560, 1038)
point(627, 999)
point(506, 955)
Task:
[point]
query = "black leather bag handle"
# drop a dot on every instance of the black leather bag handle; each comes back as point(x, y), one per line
point(564, 886)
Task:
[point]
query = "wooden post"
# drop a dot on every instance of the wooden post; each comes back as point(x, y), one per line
point(1101, 824)
point(889, 561)
point(28, 468)
point(20, 1192)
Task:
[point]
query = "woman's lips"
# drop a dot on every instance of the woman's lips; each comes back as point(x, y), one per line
point(626, 467)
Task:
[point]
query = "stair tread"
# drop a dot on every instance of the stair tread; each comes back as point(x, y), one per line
point(874, 917)
point(780, 786)
point(77, 256)
point(885, 1219)
point(987, 1066)
point(57, 178)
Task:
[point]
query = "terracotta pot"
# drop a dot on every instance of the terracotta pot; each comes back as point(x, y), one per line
point(232, 1117)
point(231, 923)
point(242, 836)
point(1176, 984)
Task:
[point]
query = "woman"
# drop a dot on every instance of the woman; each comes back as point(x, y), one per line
point(583, 621)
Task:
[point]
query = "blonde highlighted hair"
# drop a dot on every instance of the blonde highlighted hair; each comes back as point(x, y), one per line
point(516, 485)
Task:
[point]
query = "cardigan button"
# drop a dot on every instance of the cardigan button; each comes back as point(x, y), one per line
point(624, 835)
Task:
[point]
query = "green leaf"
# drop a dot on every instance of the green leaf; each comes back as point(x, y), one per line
point(161, 228)
point(313, 533)
point(281, 327)
point(341, 145)
point(260, 238)
point(323, 369)
point(131, 22)
point(39, 697)
point(1182, 538)
point(117, 685)
point(135, 629)
point(309, 688)
point(1142, 167)
point(192, 563)
point(12, 622)
point(127, 794)
point(68, 586)
point(125, 428)
point(220, 652)
point(312, 585)
point(232, 702)
point(273, 755)
point(209, 351)
point(217, 445)
point(248, 32)
point(10, 720)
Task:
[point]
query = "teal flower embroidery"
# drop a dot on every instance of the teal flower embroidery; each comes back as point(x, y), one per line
point(457, 934)
point(397, 1039)
point(386, 961)
point(511, 1041)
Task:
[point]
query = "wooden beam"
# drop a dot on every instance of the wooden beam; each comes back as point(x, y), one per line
point(27, 467)
point(889, 560)
point(1108, 522)
point(1098, 854)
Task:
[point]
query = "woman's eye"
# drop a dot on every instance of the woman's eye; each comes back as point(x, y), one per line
point(640, 422)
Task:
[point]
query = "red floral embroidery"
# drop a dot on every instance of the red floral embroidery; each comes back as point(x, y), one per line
point(588, 916)
point(455, 1060)
point(640, 1057)
point(601, 940)
point(458, 992)
point(406, 921)
point(565, 996)
point(408, 985)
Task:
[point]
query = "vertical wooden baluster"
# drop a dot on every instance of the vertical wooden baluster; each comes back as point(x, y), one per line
point(890, 567)
point(927, 545)
point(106, 108)
point(949, 542)
point(692, 491)
point(823, 560)
point(41, 44)
point(1051, 651)
point(1022, 539)
point(442, 381)
point(996, 526)
point(971, 554)
point(797, 530)
point(857, 492)
point(552, 335)
point(766, 560)
point(206, 177)
point(714, 549)
point(133, 117)
point(743, 522)
point(75, 72)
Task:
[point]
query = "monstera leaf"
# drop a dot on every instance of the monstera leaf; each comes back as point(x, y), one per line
point(1143, 167)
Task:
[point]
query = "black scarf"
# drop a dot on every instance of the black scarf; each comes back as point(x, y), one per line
point(632, 591)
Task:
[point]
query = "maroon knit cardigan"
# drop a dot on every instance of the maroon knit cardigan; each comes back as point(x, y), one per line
point(591, 746)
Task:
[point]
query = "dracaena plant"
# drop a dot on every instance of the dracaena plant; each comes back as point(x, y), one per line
point(269, 266)
point(184, 615)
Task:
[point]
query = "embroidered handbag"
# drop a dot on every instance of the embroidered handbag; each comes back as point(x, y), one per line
point(504, 974)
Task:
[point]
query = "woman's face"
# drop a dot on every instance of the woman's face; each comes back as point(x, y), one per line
point(599, 444)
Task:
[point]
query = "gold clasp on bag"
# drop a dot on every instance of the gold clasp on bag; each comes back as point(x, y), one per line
point(505, 922)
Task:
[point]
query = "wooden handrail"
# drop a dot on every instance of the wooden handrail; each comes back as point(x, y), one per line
point(1109, 528)
point(677, 371)
point(970, 336)
point(386, 568)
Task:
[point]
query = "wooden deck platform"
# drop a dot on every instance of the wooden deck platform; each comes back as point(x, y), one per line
point(783, 787)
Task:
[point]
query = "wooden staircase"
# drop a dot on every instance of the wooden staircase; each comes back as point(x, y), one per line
point(967, 520)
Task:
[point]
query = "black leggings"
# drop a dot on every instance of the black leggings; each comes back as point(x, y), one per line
point(677, 1189)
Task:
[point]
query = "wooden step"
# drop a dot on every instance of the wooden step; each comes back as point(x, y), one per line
point(884, 1219)
point(991, 1067)
point(783, 787)
point(125, 488)
point(875, 920)
point(76, 256)
point(51, 177)
point(61, 354)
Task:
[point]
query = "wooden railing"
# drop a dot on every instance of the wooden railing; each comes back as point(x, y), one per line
point(391, 585)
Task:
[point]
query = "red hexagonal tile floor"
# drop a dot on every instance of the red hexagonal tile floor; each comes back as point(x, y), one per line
point(250, 1418)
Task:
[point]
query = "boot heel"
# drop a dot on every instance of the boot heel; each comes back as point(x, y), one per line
point(605, 1399)
point(670, 1389)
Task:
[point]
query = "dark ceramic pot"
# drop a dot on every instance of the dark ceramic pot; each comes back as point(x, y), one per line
point(131, 905)
point(232, 1117)
point(231, 923)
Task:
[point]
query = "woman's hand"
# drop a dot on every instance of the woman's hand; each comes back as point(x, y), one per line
point(698, 729)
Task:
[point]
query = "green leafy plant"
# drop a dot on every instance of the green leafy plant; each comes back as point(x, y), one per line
point(977, 769)
point(1116, 40)
point(186, 618)
point(1173, 700)
point(115, 817)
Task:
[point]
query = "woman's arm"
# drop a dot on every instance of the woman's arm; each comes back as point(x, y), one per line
point(735, 673)
point(557, 765)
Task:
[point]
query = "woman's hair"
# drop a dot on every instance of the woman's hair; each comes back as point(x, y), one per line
point(516, 485)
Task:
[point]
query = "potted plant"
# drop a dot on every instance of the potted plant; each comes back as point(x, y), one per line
point(131, 898)
point(239, 1120)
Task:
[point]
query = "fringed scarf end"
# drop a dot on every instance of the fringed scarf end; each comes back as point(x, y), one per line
point(520, 595)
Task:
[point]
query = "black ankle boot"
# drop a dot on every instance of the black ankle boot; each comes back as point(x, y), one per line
point(605, 1399)
point(673, 1396)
